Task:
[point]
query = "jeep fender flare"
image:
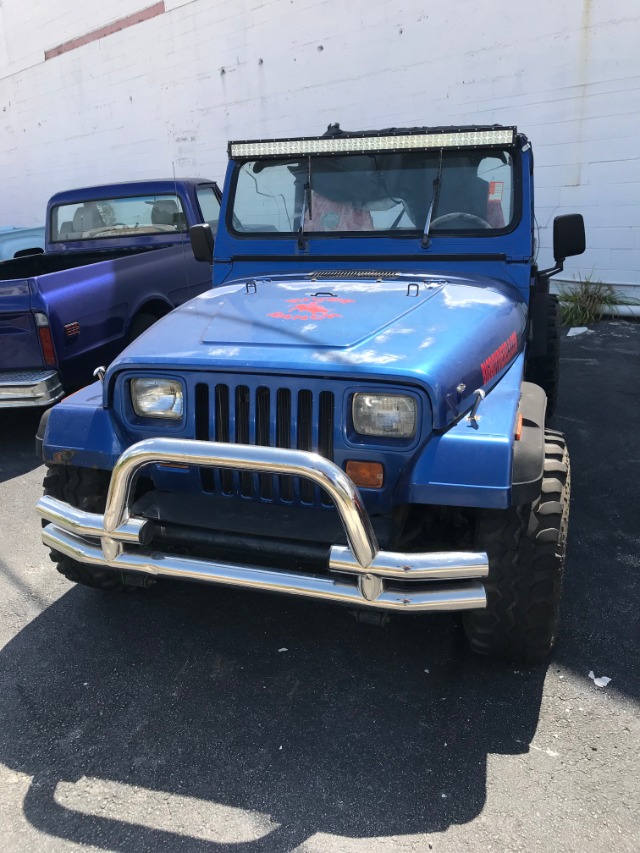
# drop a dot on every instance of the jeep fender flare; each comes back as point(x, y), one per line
point(528, 451)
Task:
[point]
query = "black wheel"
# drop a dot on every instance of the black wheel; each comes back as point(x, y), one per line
point(526, 547)
point(545, 369)
point(140, 324)
point(85, 489)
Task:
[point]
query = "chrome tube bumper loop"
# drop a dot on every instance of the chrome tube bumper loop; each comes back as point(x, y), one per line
point(90, 524)
point(245, 457)
point(362, 574)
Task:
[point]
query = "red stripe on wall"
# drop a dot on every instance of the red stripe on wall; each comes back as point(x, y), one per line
point(110, 29)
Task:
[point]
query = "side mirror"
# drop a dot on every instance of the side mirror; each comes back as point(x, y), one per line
point(568, 236)
point(201, 237)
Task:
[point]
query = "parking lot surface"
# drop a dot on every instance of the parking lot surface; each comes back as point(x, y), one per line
point(213, 720)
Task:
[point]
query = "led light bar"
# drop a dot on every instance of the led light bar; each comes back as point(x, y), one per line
point(468, 138)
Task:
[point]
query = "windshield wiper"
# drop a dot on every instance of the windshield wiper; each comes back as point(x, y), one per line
point(433, 207)
point(306, 208)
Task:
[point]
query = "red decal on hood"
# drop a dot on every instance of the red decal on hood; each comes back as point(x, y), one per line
point(310, 309)
point(500, 358)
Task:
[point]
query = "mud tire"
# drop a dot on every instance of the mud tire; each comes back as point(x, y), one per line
point(526, 547)
point(85, 489)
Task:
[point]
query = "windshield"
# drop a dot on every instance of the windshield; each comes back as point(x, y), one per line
point(118, 217)
point(359, 193)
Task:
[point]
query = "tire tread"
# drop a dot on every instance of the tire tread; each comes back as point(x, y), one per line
point(526, 548)
point(85, 489)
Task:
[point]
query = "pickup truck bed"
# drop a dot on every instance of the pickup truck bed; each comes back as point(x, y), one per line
point(110, 289)
point(34, 265)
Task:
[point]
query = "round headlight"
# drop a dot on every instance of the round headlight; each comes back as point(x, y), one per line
point(157, 398)
point(385, 415)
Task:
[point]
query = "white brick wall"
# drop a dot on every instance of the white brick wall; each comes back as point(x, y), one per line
point(174, 89)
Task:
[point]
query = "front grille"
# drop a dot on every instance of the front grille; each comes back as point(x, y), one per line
point(270, 417)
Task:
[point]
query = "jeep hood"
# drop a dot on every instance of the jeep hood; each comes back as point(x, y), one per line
point(448, 335)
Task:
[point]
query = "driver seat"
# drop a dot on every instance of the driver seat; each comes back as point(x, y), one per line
point(164, 212)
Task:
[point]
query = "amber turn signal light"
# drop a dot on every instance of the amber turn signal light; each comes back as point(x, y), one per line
point(519, 427)
point(369, 475)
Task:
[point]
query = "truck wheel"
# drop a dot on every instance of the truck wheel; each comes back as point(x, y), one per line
point(85, 489)
point(545, 369)
point(526, 548)
point(140, 324)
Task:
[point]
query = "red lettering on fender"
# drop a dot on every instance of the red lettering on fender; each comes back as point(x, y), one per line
point(500, 358)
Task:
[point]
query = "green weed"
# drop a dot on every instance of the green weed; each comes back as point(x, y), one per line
point(587, 301)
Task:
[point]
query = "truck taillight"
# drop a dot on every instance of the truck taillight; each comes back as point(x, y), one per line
point(46, 341)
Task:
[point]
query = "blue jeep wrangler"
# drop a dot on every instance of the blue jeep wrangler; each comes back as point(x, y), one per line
point(356, 411)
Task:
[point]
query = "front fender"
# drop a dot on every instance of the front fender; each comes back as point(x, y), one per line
point(79, 431)
point(471, 464)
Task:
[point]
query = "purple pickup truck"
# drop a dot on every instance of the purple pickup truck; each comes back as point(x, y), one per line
point(116, 259)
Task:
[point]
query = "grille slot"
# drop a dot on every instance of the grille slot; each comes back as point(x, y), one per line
point(222, 433)
point(263, 398)
point(243, 434)
point(283, 437)
point(325, 425)
point(305, 411)
point(268, 417)
point(353, 274)
point(325, 434)
point(207, 477)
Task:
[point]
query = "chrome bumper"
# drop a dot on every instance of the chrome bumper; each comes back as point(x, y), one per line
point(360, 573)
point(29, 388)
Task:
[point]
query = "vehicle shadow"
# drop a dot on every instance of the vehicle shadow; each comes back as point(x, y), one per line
point(18, 428)
point(190, 691)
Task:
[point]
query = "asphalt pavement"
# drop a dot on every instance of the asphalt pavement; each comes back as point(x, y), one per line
point(217, 721)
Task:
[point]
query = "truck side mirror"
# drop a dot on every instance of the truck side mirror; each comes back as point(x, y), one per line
point(568, 236)
point(201, 237)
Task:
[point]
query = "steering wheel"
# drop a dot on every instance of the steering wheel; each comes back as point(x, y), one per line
point(460, 216)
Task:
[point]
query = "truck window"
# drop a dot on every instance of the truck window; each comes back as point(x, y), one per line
point(209, 206)
point(357, 193)
point(118, 217)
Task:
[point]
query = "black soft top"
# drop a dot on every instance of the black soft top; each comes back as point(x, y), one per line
point(334, 130)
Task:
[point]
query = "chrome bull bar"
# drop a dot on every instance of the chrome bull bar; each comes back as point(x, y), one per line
point(360, 574)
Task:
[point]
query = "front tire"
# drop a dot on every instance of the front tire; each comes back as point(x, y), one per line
point(85, 489)
point(526, 548)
